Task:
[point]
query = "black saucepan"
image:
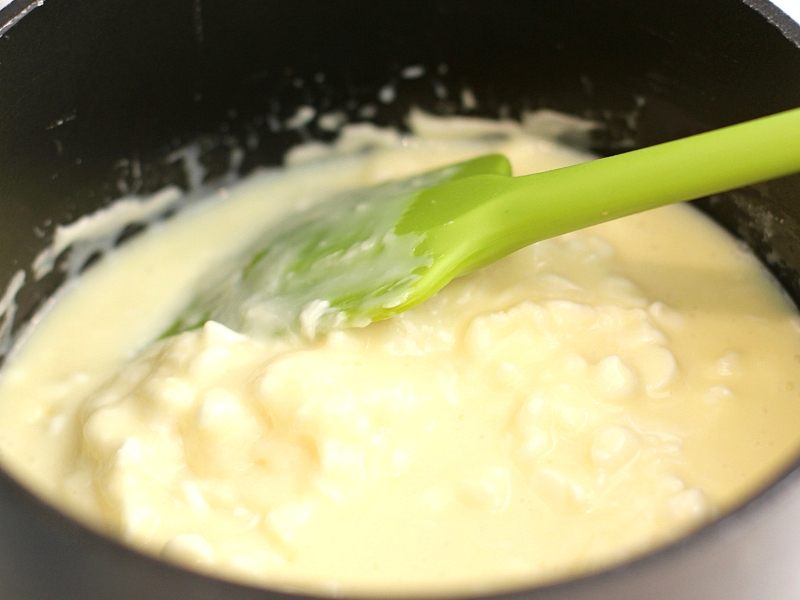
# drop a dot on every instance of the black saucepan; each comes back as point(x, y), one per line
point(96, 94)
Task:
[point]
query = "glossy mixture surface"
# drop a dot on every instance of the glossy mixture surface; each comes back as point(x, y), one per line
point(573, 405)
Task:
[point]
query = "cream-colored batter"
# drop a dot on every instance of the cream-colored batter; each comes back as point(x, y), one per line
point(573, 405)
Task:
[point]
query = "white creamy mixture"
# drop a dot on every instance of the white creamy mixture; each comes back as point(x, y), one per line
point(572, 405)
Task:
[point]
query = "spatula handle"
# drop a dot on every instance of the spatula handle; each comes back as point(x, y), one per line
point(535, 207)
point(684, 169)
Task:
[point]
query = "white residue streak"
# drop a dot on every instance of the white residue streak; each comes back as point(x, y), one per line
point(190, 157)
point(553, 125)
point(413, 72)
point(468, 100)
point(65, 119)
point(8, 309)
point(302, 117)
point(97, 232)
point(387, 94)
point(332, 121)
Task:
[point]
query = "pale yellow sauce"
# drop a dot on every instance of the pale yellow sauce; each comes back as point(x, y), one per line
point(573, 405)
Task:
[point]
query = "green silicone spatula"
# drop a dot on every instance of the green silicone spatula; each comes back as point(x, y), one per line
point(373, 253)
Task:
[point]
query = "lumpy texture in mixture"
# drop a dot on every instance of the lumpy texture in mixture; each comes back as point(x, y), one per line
point(573, 405)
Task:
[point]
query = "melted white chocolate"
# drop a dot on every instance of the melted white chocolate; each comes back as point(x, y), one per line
point(573, 405)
